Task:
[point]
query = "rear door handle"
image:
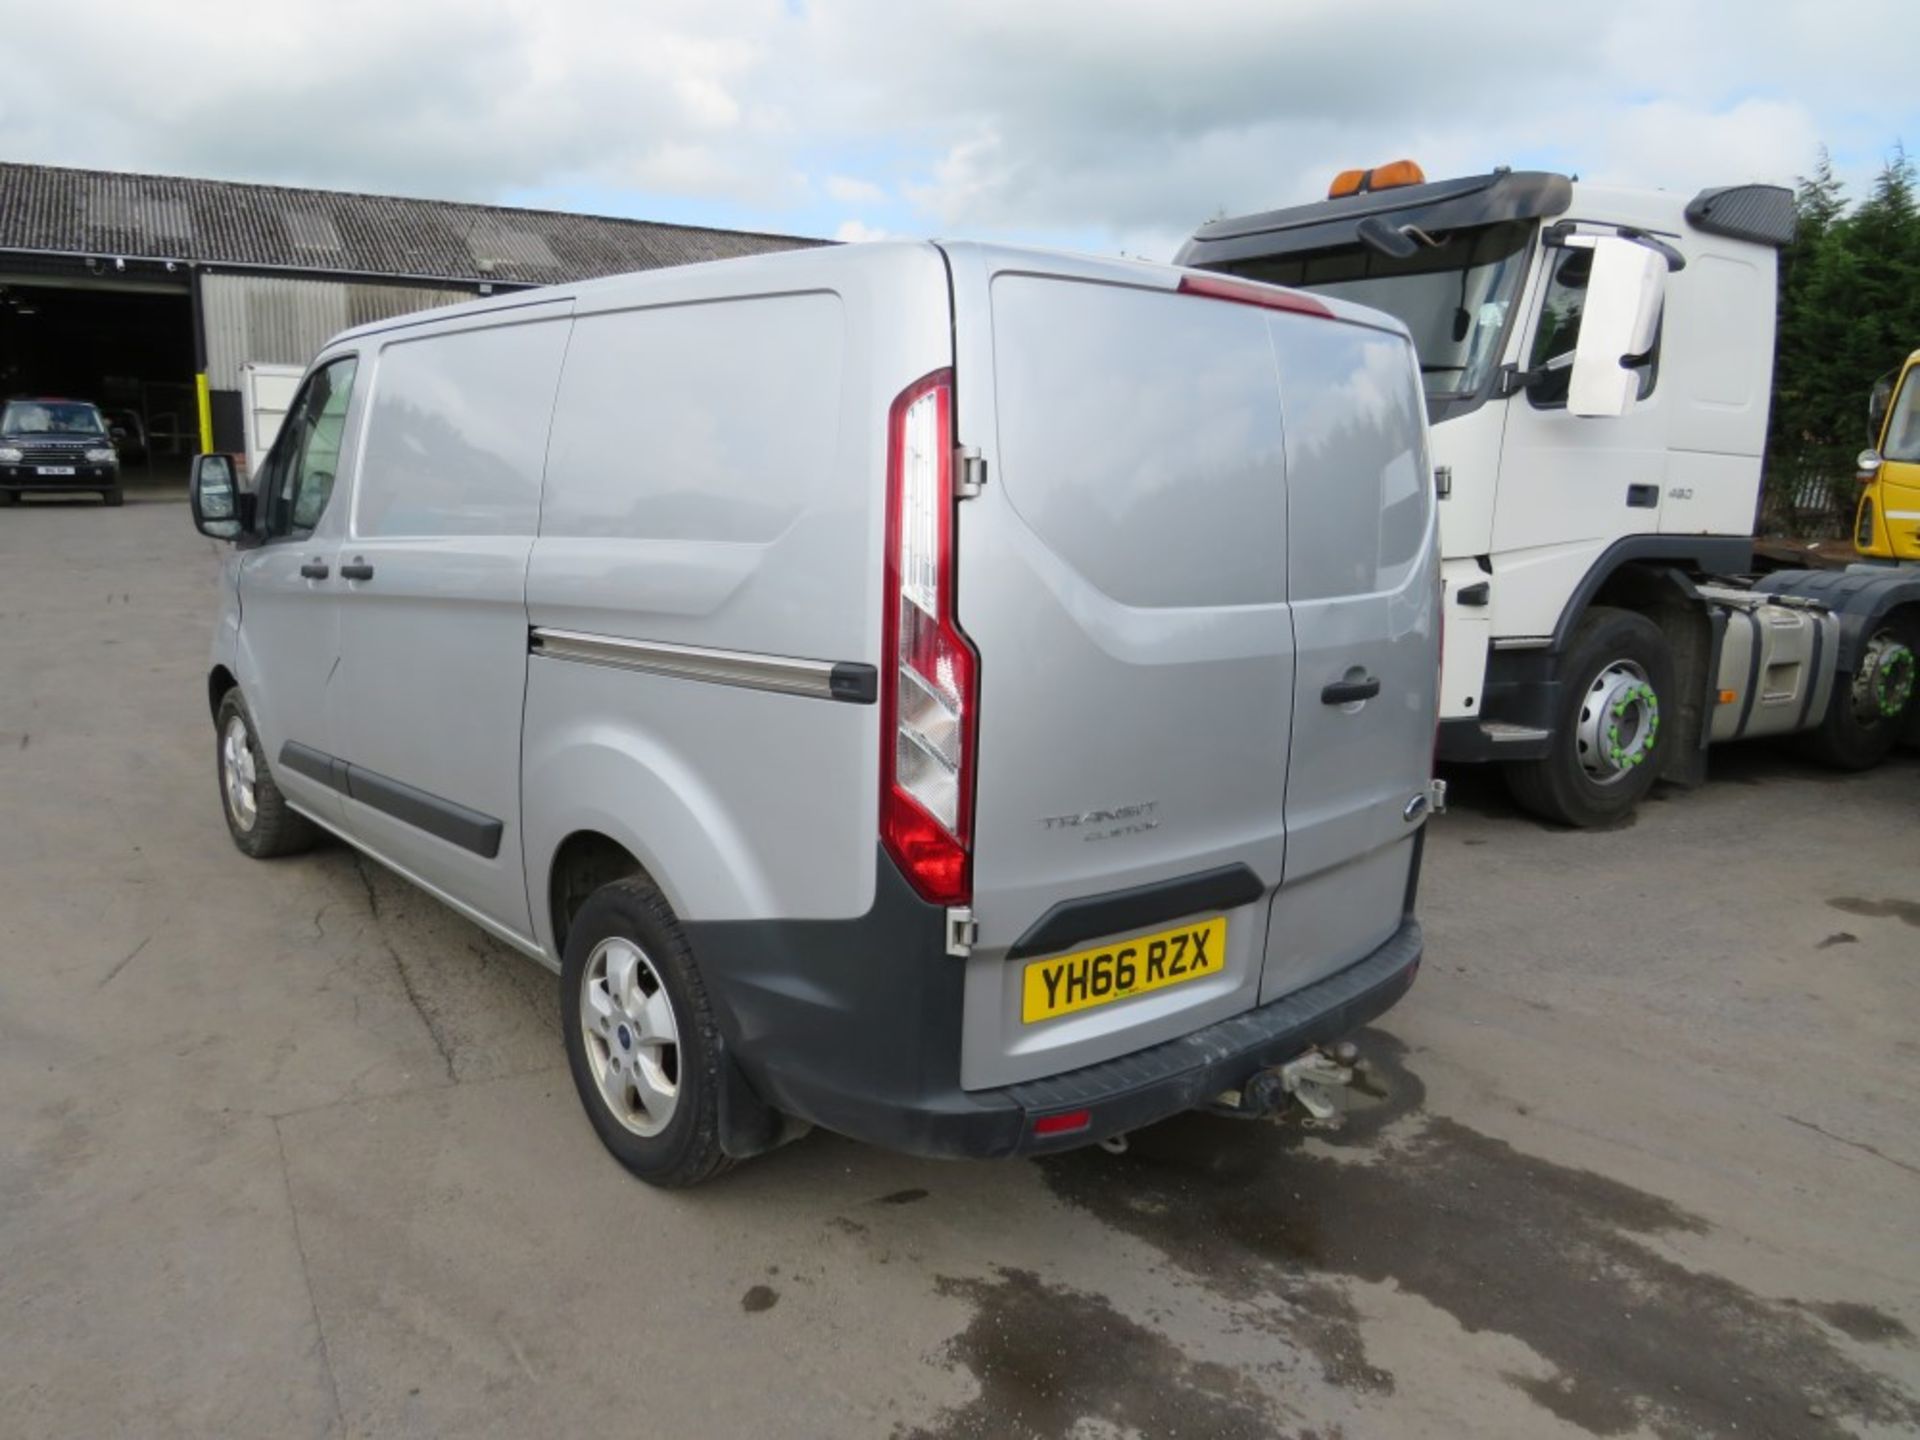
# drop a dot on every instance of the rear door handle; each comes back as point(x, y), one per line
point(1340, 692)
point(314, 570)
point(356, 570)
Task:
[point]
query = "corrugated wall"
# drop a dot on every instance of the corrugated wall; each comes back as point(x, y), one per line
point(284, 321)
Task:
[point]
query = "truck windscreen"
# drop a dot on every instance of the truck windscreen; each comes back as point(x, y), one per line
point(1454, 295)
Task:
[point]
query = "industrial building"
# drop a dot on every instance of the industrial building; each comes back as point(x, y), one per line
point(147, 293)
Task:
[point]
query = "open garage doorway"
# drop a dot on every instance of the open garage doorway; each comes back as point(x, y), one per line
point(125, 344)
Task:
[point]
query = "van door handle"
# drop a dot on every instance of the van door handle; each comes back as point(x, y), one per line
point(314, 570)
point(1340, 692)
point(356, 569)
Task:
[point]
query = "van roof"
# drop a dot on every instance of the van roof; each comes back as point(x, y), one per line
point(775, 270)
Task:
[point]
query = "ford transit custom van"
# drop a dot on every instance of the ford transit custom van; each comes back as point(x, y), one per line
point(975, 700)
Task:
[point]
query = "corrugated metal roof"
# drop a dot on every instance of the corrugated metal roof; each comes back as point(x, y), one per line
point(167, 217)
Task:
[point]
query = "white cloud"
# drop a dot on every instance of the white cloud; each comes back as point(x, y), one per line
point(1116, 120)
point(849, 191)
point(854, 231)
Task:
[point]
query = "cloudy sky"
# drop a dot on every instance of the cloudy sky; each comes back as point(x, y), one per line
point(1109, 125)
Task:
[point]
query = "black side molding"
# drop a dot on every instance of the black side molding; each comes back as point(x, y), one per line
point(1072, 921)
point(454, 823)
point(314, 764)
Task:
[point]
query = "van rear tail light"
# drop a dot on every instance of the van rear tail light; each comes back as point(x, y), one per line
point(928, 685)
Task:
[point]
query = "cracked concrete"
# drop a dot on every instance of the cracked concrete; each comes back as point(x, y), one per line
point(311, 1164)
point(361, 868)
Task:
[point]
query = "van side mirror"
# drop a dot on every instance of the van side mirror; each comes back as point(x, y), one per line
point(213, 491)
point(1618, 324)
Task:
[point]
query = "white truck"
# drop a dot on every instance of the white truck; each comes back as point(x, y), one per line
point(1597, 364)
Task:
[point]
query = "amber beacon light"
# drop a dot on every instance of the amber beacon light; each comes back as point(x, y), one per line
point(1382, 177)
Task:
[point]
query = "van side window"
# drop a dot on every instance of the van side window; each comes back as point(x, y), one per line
point(1559, 331)
point(297, 480)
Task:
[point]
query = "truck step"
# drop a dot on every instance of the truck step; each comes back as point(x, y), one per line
point(1501, 733)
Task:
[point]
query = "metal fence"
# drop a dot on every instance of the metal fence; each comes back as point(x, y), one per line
point(1808, 501)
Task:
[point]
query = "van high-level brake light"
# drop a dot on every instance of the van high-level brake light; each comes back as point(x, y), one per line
point(927, 677)
point(1248, 292)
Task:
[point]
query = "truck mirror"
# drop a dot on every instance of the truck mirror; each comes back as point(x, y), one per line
point(1618, 324)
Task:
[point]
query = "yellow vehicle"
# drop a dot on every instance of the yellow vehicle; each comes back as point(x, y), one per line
point(1887, 525)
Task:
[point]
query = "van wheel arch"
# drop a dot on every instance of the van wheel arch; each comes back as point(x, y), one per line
point(583, 862)
point(219, 681)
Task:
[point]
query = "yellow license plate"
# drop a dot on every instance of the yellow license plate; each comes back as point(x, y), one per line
point(1122, 968)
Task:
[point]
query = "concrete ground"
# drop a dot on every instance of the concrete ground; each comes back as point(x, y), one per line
point(287, 1149)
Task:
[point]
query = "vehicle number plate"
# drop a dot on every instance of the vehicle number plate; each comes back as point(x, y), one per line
point(56, 469)
point(1118, 969)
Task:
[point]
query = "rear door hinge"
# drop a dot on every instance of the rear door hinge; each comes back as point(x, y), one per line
point(969, 472)
point(962, 932)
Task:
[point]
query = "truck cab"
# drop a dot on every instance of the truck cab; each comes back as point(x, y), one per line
point(1597, 364)
point(1887, 524)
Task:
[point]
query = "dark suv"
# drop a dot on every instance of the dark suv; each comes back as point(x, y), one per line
point(57, 447)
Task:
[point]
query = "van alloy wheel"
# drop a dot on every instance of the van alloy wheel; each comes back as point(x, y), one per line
point(238, 775)
point(258, 817)
point(1619, 722)
point(632, 1041)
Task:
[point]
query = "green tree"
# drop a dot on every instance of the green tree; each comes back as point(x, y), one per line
point(1849, 309)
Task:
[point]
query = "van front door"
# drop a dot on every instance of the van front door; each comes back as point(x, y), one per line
point(289, 591)
point(433, 614)
point(1362, 582)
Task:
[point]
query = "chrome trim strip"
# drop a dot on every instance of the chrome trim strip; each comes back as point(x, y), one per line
point(782, 674)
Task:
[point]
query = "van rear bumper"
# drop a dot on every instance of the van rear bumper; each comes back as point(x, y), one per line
point(854, 1025)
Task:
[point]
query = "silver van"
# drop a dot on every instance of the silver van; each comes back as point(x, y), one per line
point(975, 700)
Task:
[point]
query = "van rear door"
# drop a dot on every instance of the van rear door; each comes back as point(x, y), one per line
point(1123, 575)
point(1362, 578)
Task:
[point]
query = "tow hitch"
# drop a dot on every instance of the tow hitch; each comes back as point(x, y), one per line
point(1316, 1081)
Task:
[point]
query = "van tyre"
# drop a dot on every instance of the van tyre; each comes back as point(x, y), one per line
point(1876, 706)
point(258, 817)
point(1616, 684)
point(641, 1039)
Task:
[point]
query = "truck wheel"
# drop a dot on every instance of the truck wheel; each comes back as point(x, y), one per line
point(257, 814)
point(1869, 713)
point(641, 1039)
point(1616, 675)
